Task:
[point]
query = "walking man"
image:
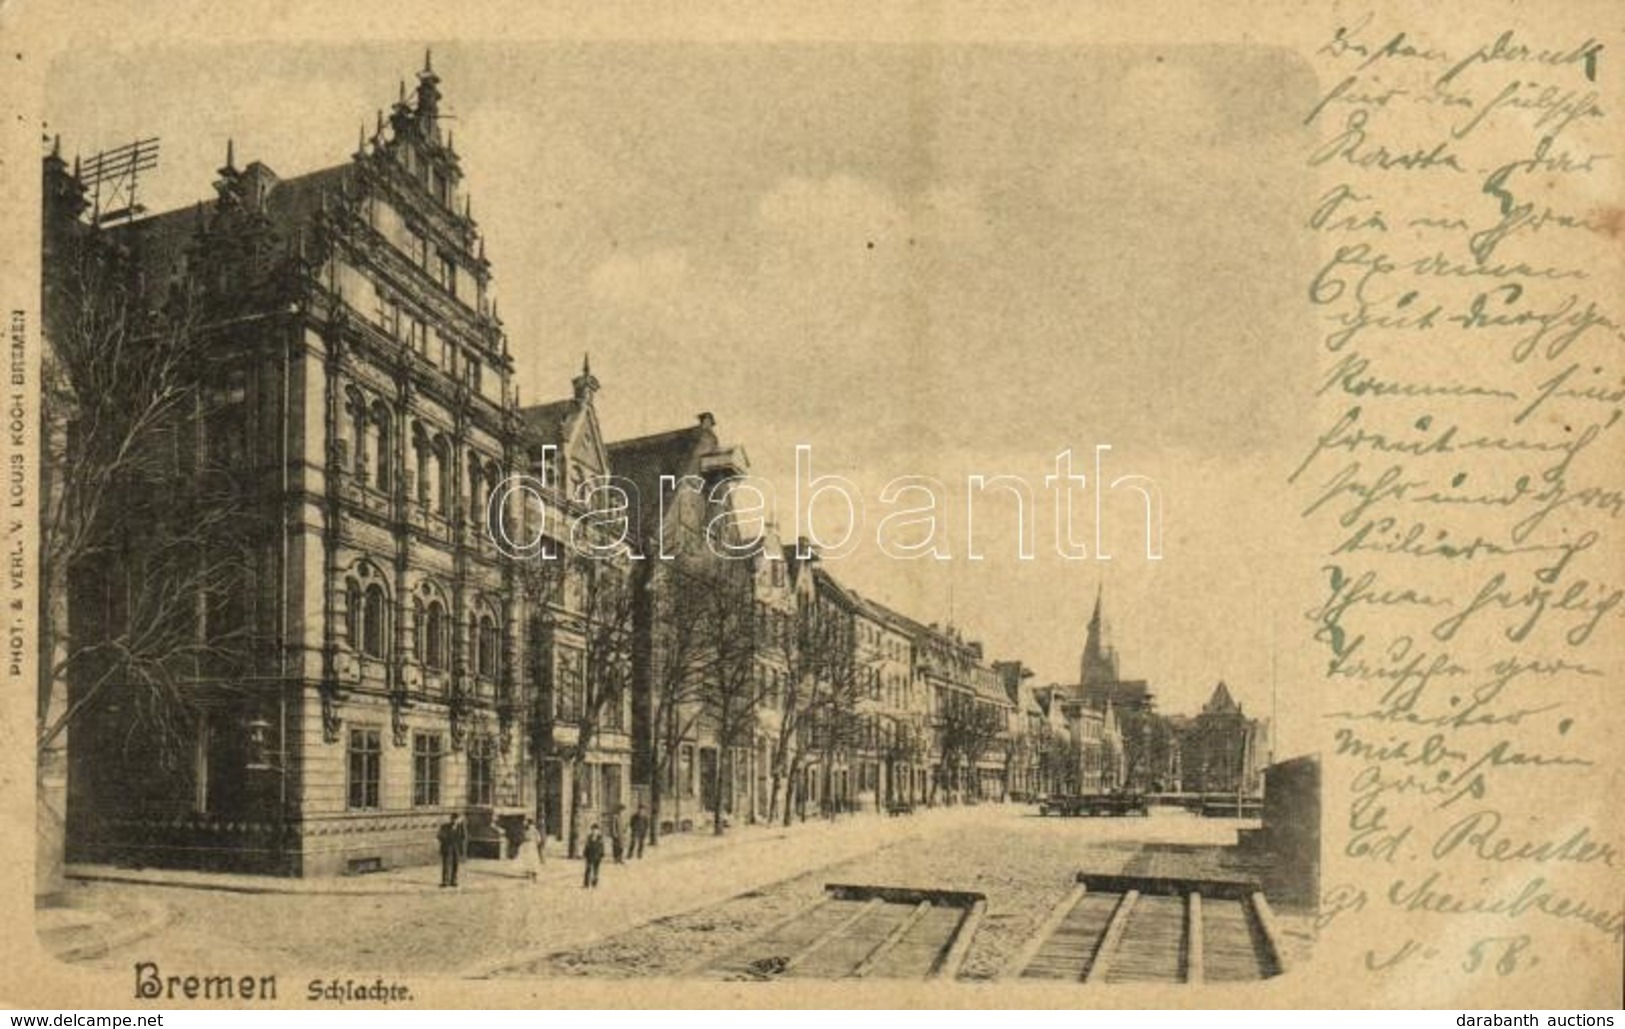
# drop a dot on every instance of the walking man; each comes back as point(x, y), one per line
point(640, 831)
point(453, 837)
point(593, 853)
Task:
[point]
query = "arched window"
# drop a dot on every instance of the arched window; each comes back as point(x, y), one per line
point(490, 644)
point(476, 490)
point(385, 456)
point(366, 611)
point(373, 623)
point(443, 479)
point(419, 630)
point(434, 651)
point(358, 431)
point(493, 479)
point(352, 613)
point(425, 464)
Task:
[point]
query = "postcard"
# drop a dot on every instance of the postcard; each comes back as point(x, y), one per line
point(1020, 506)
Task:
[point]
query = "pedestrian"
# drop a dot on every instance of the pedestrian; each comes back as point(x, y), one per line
point(530, 852)
point(453, 836)
point(617, 832)
point(593, 853)
point(640, 831)
point(541, 838)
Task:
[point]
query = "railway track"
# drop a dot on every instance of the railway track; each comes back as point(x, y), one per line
point(1114, 929)
point(875, 932)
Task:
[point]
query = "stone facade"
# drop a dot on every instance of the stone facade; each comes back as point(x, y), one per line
point(360, 386)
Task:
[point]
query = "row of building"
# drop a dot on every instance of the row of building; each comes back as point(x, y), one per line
point(290, 636)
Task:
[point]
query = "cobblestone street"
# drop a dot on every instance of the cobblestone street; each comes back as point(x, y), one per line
point(1023, 864)
point(692, 898)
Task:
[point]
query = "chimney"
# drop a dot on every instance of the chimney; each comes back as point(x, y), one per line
point(707, 420)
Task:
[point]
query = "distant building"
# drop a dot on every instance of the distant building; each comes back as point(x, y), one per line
point(1221, 749)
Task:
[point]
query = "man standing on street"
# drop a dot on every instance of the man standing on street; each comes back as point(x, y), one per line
point(453, 847)
point(593, 853)
point(617, 832)
point(640, 831)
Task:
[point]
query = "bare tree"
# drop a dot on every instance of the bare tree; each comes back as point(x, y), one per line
point(795, 645)
point(736, 686)
point(592, 596)
point(1148, 739)
point(966, 731)
point(146, 546)
point(682, 663)
point(1060, 762)
point(839, 677)
point(903, 744)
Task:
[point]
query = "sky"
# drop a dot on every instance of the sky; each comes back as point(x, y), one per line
point(917, 260)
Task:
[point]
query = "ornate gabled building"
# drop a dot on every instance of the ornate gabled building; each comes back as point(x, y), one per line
point(578, 621)
point(364, 682)
point(678, 483)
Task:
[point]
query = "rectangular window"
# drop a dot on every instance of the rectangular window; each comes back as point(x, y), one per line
point(589, 782)
point(365, 760)
point(426, 752)
point(448, 274)
point(614, 714)
point(480, 781)
point(568, 697)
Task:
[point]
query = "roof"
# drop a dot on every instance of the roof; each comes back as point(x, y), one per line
point(1132, 693)
point(292, 202)
point(893, 619)
point(162, 244)
point(1221, 702)
point(544, 423)
point(645, 459)
point(823, 580)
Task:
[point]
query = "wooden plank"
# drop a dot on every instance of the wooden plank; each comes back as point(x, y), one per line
point(884, 947)
point(834, 932)
point(1051, 924)
point(1272, 935)
point(1110, 939)
point(955, 958)
point(733, 953)
point(1151, 947)
point(1232, 943)
point(1193, 937)
point(1155, 885)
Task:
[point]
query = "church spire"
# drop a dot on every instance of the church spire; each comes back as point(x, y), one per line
point(1098, 664)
